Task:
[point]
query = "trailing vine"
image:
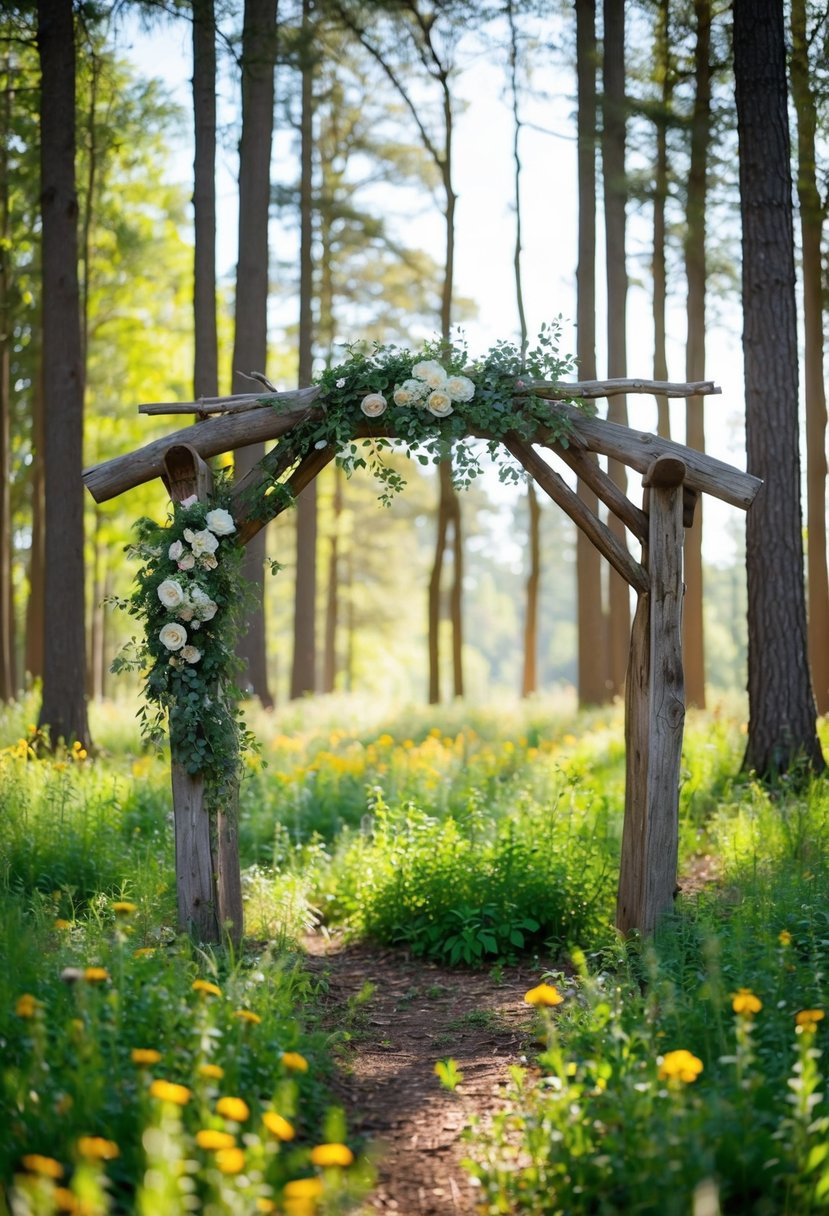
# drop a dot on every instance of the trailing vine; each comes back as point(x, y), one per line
point(189, 596)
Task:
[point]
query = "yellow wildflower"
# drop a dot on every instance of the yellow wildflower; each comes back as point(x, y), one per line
point(124, 907)
point(64, 1200)
point(145, 1056)
point(95, 975)
point(96, 1148)
point(680, 1066)
point(303, 1188)
point(168, 1091)
point(809, 1018)
point(62, 924)
point(745, 1003)
point(331, 1154)
point(27, 1006)
point(543, 994)
point(213, 1072)
point(144, 952)
point(233, 1108)
point(206, 987)
point(295, 1061)
point(230, 1160)
point(278, 1126)
point(247, 1015)
point(209, 1138)
point(46, 1167)
point(784, 937)
point(265, 1205)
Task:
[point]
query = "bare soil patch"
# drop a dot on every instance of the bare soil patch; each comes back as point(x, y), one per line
point(419, 1013)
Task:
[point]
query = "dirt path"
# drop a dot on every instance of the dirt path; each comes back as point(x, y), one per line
point(419, 1013)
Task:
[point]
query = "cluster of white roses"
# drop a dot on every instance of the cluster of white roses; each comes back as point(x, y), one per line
point(190, 602)
point(430, 387)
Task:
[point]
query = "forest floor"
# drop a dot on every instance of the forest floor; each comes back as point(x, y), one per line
point(403, 1015)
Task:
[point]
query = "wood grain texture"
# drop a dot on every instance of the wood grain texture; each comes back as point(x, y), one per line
point(197, 911)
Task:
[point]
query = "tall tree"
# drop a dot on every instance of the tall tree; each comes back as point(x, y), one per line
point(666, 79)
point(63, 710)
point(782, 720)
point(250, 346)
point(8, 683)
point(206, 350)
point(303, 670)
point(812, 217)
point(592, 623)
point(615, 203)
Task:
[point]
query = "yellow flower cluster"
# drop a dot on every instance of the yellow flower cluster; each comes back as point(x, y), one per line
point(680, 1065)
point(745, 1004)
point(543, 995)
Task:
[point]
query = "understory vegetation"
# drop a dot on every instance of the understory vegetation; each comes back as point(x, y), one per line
point(141, 1074)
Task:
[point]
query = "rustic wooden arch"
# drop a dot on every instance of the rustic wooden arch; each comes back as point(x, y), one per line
point(207, 862)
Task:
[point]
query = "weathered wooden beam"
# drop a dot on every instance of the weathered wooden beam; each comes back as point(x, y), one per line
point(593, 389)
point(656, 706)
point(556, 487)
point(185, 473)
point(606, 490)
point(251, 516)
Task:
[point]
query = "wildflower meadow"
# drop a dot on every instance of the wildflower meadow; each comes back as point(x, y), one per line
point(141, 1073)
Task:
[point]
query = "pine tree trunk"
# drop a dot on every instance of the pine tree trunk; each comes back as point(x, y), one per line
point(63, 709)
point(529, 679)
point(662, 52)
point(812, 215)
point(206, 358)
point(33, 657)
point(615, 198)
point(250, 348)
point(8, 682)
point(692, 626)
point(782, 721)
point(592, 622)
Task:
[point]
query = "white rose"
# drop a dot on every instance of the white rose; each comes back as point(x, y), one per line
point(220, 522)
point(190, 501)
point(205, 608)
point(208, 562)
point(439, 404)
point(410, 392)
point(170, 593)
point(459, 388)
point(185, 613)
point(430, 371)
point(173, 636)
point(175, 551)
point(186, 561)
point(201, 542)
point(190, 654)
point(373, 405)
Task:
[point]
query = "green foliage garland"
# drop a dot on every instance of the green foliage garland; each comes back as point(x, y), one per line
point(431, 400)
point(189, 594)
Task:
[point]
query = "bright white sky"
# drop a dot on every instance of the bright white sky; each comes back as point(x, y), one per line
point(485, 241)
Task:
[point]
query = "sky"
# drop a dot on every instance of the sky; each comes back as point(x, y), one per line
point(486, 236)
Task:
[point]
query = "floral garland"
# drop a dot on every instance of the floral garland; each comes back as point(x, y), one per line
point(431, 400)
point(188, 594)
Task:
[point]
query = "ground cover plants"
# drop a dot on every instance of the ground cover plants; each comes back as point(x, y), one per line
point(141, 1074)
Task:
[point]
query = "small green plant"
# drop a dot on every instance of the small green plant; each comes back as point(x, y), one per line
point(448, 1073)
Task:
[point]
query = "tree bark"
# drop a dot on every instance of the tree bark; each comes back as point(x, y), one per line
point(33, 658)
point(206, 355)
point(695, 238)
point(529, 678)
point(8, 682)
point(812, 216)
point(304, 668)
point(63, 710)
point(250, 347)
point(593, 661)
point(782, 721)
point(665, 72)
point(615, 198)
point(332, 599)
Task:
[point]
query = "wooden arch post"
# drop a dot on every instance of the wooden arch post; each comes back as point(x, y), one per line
point(208, 879)
point(673, 475)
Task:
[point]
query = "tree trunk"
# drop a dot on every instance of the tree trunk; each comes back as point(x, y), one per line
point(434, 604)
point(304, 669)
point(8, 682)
point(63, 709)
point(332, 600)
point(664, 72)
point(695, 235)
point(615, 197)
point(250, 347)
point(206, 354)
point(592, 622)
point(33, 657)
point(782, 724)
point(812, 214)
point(529, 679)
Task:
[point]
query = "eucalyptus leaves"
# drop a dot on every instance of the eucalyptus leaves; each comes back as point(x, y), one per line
point(189, 596)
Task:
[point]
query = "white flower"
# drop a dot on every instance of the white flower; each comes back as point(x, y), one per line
point(201, 542)
point(186, 561)
point(186, 613)
point(459, 388)
point(170, 593)
point(173, 636)
point(195, 624)
point(175, 551)
point(439, 404)
point(189, 501)
point(205, 608)
point(373, 405)
point(320, 444)
point(341, 382)
point(208, 562)
point(410, 392)
point(220, 522)
point(432, 372)
point(190, 654)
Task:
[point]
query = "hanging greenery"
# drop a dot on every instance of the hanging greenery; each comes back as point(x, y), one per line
point(189, 596)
